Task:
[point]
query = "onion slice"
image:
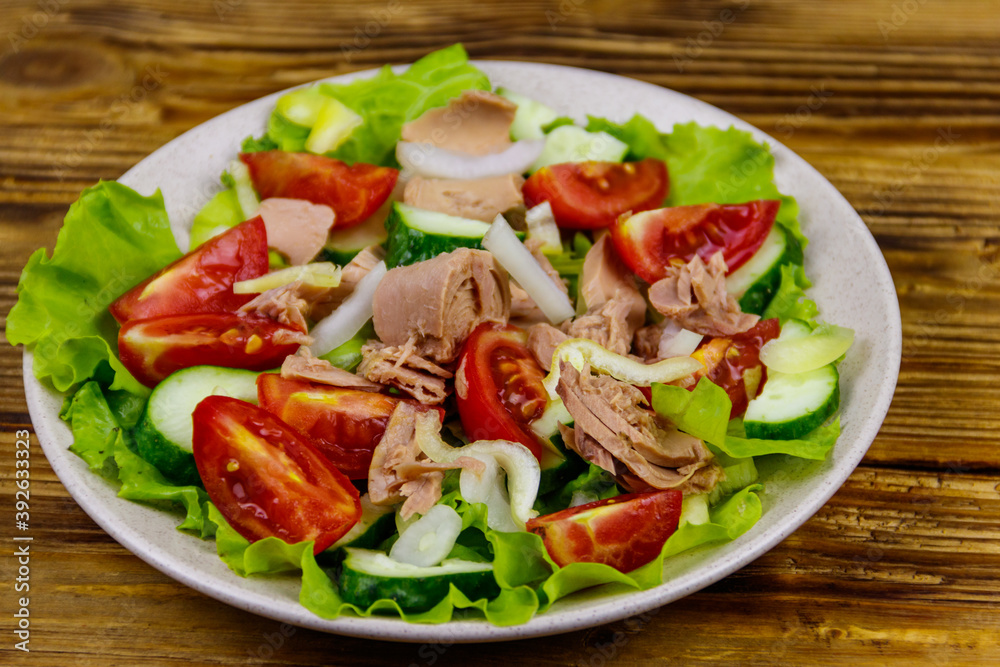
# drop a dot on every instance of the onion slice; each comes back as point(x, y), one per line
point(342, 324)
point(678, 342)
point(801, 354)
point(525, 269)
point(430, 161)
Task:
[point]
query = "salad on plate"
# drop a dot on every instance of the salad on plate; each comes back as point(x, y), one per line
point(438, 348)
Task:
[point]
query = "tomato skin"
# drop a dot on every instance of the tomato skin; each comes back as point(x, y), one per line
point(353, 192)
point(727, 361)
point(153, 349)
point(624, 532)
point(591, 195)
point(344, 424)
point(499, 389)
point(202, 280)
point(266, 479)
point(650, 242)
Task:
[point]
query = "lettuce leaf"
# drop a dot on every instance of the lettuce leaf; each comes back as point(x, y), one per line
point(101, 440)
point(221, 212)
point(704, 413)
point(790, 301)
point(385, 102)
point(112, 238)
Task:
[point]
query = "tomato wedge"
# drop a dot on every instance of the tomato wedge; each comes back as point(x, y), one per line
point(498, 386)
point(591, 195)
point(733, 362)
point(345, 425)
point(266, 479)
point(153, 349)
point(353, 192)
point(649, 242)
point(624, 532)
point(202, 280)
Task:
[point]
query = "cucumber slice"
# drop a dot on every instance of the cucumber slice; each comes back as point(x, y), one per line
point(416, 234)
point(530, 117)
point(792, 405)
point(368, 575)
point(342, 245)
point(755, 282)
point(164, 434)
point(376, 524)
point(571, 143)
point(694, 509)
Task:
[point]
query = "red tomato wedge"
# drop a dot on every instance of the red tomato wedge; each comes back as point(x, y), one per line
point(353, 192)
point(649, 242)
point(499, 388)
point(591, 195)
point(266, 479)
point(624, 532)
point(153, 349)
point(345, 425)
point(202, 280)
point(733, 363)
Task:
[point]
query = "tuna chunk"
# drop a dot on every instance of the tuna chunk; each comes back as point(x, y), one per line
point(400, 470)
point(289, 304)
point(608, 324)
point(543, 339)
point(477, 122)
point(647, 450)
point(694, 295)
point(604, 276)
point(295, 227)
point(404, 369)
point(304, 366)
point(437, 303)
point(479, 199)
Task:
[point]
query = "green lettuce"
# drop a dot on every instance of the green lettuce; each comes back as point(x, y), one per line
point(704, 413)
point(112, 238)
point(100, 439)
point(790, 301)
point(221, 212)
point(385, 102)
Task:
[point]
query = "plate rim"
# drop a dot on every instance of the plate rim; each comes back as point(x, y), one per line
point(610, 607)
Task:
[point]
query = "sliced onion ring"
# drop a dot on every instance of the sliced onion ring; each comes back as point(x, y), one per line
point(430, 161)
point(340, 326)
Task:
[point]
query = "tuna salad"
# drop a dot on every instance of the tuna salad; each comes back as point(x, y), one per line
point(438, 347)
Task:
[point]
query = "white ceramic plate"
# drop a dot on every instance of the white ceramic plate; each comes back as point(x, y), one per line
point(852, 287)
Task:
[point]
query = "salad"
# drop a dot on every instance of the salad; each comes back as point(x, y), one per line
point(437, 348)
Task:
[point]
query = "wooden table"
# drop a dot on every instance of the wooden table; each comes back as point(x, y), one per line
point(897, 102)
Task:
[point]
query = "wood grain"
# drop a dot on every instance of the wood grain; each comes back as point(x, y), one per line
point(896, 102)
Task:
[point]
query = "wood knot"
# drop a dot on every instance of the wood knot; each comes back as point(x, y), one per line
point(60, 67)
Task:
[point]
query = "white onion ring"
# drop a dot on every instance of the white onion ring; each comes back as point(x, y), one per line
point(430, 161)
